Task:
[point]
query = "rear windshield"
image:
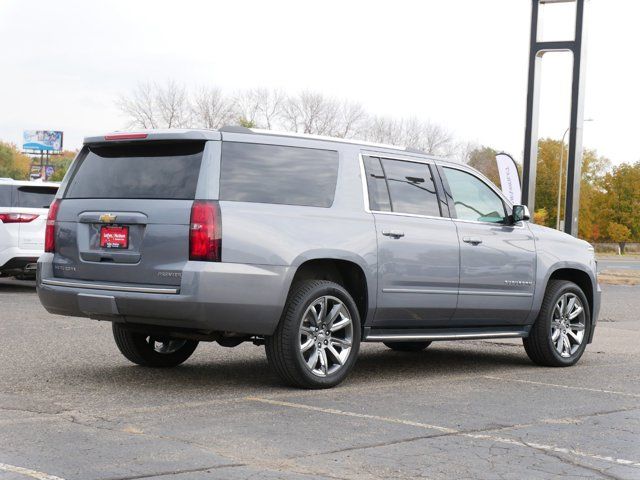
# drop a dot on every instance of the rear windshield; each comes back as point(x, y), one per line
point(278, 174)
point(35, 197)
point(26, 196)
point(162, 170)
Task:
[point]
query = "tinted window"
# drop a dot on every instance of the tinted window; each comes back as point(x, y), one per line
point(411, 187)
point(277, 174)
point(376, 185)
point(5, 195)
point(138, 170)
point(473, 199)
point(35, 197)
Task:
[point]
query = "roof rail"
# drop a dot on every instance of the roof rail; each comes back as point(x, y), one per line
point(235, 129)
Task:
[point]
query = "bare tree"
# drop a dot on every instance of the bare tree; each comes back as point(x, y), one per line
point(427, 136)
point(385, 130)
point(140, 107)
point(311, 112)
point(262, 107)
point(169, 106)
point(211, 109)
point(173, 105)
point(462, 151)
point(351, 120)
point(156, 106)
point(436, 139)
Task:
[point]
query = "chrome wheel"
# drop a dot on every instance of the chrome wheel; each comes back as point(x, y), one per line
point(568, 325)
point(164, 345)
point(326, 336)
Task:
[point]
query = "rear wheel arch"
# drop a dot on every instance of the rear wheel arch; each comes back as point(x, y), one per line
point(345, 273)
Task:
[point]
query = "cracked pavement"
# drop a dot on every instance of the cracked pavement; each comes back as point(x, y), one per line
point(71, 407)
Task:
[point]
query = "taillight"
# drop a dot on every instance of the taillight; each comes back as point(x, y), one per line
point(17, 217)
point(205, 231)
point(50, 231)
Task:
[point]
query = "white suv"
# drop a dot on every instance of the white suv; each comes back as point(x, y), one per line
point(23, 216)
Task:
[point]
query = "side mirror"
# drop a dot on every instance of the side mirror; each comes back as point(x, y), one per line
point(520, 213)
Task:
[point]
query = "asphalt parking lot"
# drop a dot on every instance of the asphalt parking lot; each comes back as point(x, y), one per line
point(71, 407)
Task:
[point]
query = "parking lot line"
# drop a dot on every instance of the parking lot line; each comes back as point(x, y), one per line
point(333, 411)
point(28, 472)
point(556, 385)
point(438, 428)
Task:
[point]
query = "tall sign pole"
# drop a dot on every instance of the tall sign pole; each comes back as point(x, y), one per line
point(574, 163)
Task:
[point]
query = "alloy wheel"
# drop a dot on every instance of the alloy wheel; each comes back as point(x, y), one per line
point(568, 325)
point(326, 336)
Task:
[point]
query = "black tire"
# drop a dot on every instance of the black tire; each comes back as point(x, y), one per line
point(539, 344)
point(407, 346)
point(139, 348)
point(283, 347)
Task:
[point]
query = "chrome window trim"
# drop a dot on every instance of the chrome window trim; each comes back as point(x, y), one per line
point(398, 156)
point(365, 188)
point(515, 225)
point(415, 215)
point(116, 288)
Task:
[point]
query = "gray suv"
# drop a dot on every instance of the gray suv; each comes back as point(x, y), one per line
point(307, 245)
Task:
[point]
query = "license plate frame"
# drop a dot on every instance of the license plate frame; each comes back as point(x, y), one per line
point(114, 237)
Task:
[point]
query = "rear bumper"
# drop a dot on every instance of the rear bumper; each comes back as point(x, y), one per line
point(212, 297)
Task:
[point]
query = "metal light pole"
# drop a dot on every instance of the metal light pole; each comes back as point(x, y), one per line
point(537, 49)
point(560, 175)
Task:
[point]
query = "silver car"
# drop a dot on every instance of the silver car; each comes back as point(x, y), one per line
point(308, 245)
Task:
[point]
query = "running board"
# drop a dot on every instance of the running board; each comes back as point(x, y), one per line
point(411, 335)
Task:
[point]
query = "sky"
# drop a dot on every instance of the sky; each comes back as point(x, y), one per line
point(459, 63)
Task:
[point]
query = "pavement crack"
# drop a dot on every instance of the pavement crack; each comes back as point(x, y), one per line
point(177, 472)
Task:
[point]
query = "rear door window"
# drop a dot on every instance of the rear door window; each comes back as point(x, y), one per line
point(153, 170)
point(411, 187)
point(376, 185)
point(35, 197)
point(278, 174)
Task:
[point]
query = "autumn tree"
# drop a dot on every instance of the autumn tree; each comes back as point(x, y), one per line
point(594, 168)
point(484, 160)
point(13, 164)
point(61, 163)
point(619, 203)
point(620, 234)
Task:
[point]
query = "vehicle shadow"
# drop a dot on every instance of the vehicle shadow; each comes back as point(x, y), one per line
point(11, 285)
point(251, 373)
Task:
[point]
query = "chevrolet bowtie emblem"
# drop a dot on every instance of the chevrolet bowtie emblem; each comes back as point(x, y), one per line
point(107, 218)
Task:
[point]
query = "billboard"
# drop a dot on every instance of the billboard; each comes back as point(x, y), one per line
point(46, 140)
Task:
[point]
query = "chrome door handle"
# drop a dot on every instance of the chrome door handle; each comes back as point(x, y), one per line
point(471, 240)
point(393, 233)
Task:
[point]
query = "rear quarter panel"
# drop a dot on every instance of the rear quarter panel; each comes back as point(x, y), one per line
point(289, 235)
